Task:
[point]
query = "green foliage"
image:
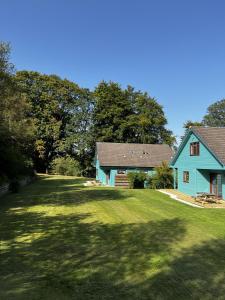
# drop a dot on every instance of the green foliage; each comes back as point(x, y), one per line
point(14, 185)
point(215, 116)
point(126, 115)
point(111, 110)
point(43, 117)
point(62, 112)
point(3, 179)
point(16, 127)
point(65, 166)
point(190, 123)
point(136, 180)
point(163, 177)
point(146, 123)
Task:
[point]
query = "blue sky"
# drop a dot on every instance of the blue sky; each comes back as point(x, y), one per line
point(174, 50)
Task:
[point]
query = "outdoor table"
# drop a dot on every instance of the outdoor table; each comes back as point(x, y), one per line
point(207, 197)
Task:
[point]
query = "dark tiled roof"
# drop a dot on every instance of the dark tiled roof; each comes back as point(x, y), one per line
point(133, 155)
point(214, 138)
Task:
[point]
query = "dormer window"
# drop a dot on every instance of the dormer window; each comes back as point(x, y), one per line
point(194, 149)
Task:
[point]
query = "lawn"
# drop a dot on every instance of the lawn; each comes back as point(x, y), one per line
point(61, 240)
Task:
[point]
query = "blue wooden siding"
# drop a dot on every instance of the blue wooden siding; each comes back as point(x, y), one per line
point(199, 168)
point(203, 181)
point(204, 161)
point(100, 173)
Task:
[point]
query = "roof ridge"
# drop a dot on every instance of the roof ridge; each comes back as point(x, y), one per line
point(133, 143)
point(208, 127)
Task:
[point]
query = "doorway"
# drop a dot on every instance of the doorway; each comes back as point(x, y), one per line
point(107, 173)
point(216, 184)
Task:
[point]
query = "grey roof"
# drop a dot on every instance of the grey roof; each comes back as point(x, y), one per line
point(213, 138)
point(132, 155)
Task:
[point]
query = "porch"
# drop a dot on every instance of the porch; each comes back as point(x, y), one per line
point(195, 181)
point(210, 182)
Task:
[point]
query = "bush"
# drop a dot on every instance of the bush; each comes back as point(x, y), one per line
point(163, 177)
point(14, 185)
point(65, 166)
point(136, 180)
point(3, 179)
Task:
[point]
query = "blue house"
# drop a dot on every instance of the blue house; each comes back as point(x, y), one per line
point(199, 164)
point(115, 160)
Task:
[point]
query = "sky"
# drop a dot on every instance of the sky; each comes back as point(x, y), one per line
point(173, 49)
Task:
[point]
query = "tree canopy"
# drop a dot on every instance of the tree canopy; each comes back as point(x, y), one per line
point(46, 120)
point(126, 115)
point(215, 116)
point(61, 110)
point(16, 127)
point(190, 123)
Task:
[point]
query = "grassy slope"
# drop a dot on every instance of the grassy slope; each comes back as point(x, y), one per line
point(60, 240)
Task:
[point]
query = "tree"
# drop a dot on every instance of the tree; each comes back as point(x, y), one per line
point(126, 115)
point(15, 124)
point(215, 116)
point(111, 111)
point(147, 122)
point(190, 123)
point(78, 141)
point(61, 110)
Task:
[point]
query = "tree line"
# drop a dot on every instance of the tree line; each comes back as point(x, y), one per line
point(49, 123)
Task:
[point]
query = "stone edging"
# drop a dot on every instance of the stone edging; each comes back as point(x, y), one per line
point(174, 197)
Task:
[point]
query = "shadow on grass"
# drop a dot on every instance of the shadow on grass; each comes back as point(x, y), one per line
point(197, 274)
point(52, 190)
point(69, 257)
point(64, 257)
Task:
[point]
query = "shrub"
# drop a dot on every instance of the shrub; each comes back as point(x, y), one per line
point(3, 179)
point(163, 177)
point(65, 166)
point(14, 185)
point(136, 180)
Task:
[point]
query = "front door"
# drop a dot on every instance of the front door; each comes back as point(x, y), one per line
point(216, 184)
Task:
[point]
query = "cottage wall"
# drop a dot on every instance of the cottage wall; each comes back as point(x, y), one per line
point(199, 168)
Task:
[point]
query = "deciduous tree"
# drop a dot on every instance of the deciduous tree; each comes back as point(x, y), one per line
point(126, 115)
point(62, 113)
point(215, 116)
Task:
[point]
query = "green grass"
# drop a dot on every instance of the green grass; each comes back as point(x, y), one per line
point(60, 240)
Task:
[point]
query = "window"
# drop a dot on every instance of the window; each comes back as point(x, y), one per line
point(186, 176)
point(194, 149)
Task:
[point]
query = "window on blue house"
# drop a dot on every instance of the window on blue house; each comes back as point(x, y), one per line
point(194, 149)
point(186, 176)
